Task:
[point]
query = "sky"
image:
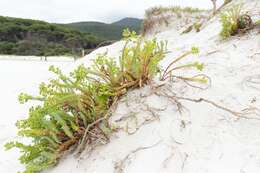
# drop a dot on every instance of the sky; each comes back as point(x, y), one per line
point(66, 11)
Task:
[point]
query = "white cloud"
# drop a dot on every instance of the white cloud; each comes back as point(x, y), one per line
point(65, 11)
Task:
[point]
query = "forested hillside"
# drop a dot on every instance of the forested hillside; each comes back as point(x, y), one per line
point(32, 37)
point(111, 31)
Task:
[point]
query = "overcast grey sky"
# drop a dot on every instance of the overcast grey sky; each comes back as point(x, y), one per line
point(65, 11)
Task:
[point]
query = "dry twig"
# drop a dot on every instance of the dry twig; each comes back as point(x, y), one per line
point(120, 165)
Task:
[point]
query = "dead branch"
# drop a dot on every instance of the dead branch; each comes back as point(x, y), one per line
point(120, 165)
point(184, 161)
point(211, 52)
point(255, 54)
point(214, 2)
point(85, 137)
point(146, 121)
point(252, 82)
point(153, 111)
point(167, 159)
point(241, 114)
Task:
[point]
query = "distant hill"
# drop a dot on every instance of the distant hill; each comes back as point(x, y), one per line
point(111, 31)
point(129, 22)
point(32, 37)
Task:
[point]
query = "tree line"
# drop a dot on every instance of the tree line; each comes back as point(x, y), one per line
point(32, 37)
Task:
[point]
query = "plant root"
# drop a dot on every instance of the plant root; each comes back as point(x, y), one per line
point(120, 165)
point(248, 111)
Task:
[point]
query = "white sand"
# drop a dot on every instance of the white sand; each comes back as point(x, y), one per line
point(15, 77)
point(35, 58)
point(204, 139)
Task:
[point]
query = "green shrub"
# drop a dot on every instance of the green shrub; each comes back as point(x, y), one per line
point(257, 22)
point(235, 21)
point(74, 108)
point(197, 26)
point(6, 47)
point(227, 1)
point(229, 21)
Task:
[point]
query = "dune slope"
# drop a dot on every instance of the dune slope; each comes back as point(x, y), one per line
point(156, 137)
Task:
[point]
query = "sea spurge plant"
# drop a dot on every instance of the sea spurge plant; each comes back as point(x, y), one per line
point(234, 20)
point(169, 72)
point(74, 107)
point(229, 21)
point(54, 126)
point(135, 68)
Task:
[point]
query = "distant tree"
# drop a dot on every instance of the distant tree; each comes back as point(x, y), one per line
point(31, 37)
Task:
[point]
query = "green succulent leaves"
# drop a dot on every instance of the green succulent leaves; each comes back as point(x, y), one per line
point(235, 21)
point(195, 50)
point(70, 103)
point(74, 107)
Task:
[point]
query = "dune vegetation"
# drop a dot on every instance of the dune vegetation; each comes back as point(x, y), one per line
point(75, 108)
point(161, 16)
point(235, 21)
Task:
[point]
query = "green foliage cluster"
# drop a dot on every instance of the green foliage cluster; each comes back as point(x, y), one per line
point(197, 26)
point(234, 20)
point(31, 37)
point(75, 107)
point(258, 22)
point(229, 21)
point(227, 1)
